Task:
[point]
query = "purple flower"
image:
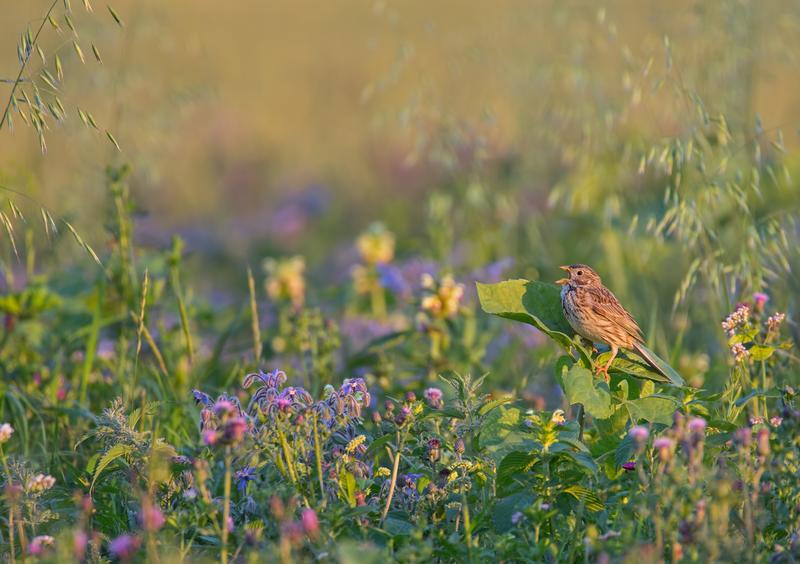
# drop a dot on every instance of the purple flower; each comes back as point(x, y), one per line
point(629, 466)
point(664, 446)
point(243, 477)
point(434, 397)
point(200, 397)
point(697, 425)
point(517, 517)
point(124, 547)
point(224, 407)
point(392, 279)
point(760, 299)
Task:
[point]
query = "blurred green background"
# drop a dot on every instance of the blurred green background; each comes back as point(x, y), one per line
point(225, 108)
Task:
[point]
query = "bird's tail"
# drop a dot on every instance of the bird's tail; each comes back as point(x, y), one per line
point(658, 365)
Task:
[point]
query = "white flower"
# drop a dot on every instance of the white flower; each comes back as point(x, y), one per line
point(6, 431)
point(40, 483)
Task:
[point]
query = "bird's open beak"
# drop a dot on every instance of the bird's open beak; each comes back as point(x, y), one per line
point(562, 281)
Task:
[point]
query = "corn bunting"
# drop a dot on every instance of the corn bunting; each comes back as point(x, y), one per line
point(596, 314)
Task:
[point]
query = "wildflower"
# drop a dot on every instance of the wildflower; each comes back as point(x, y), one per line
point(310, 522)
point(737, 318)
point(124, 547)
point(434, 397)
point(361, 498)
point(391, 278)
point(233, 430)
point(516, 518)
point(775, 421)
point(293, 532)
point(739, 353)
point(151, 518)
point(774, 322)
point(629, 466)
point(285, 280)
point(383, 472)
point(38, 544)
point(243, 477)
point(697, 425)
point(40, 483)
point(639, 434)
point(355, 443)
point(760, 299)
point(376, 245)
point(664, 446)
point(544, 506)
point(558, 417)
point(210, 437)
point(459, 446)
point(6, 431)
point(445, 300)
point(224, 407)
point(434, 451)
point(411, 397)
point(376, 417)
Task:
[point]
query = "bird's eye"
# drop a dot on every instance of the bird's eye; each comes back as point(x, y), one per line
point(580, 273)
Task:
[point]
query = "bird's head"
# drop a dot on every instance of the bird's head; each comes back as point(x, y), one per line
point(579, 275)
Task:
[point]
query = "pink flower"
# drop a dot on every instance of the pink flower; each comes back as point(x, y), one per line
point(664, 446)
point(38, 545)
point(210, 437)
point(79, 541)
point(224, 407)
point(434, 397)
point(760, 298)
point(151, 518)
point(310, 522)
point(639, 434)
point(124, 547)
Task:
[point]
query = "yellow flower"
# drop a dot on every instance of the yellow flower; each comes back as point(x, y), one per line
point(285, 280)
point(355, 443)
point(383, 472)
point(445, 299)
point(376, 245)
point(558, 417)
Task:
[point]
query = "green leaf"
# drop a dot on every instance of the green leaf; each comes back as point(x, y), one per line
point(532, 302)
point(515, 462)
point(115, 452)
point(579, 387)
point(654, 408)
point(587, 496)
point(507, 506)
point(501, 433)
point(761, 352)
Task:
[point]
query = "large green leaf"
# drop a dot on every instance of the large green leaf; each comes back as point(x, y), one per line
point(532, 302)
point(580, 387)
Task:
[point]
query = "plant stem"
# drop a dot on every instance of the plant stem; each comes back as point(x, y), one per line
point(318, 457)
point(10, 507)
point(226, 508)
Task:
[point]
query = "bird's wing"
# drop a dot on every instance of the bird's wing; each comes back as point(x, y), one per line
point(606, 305)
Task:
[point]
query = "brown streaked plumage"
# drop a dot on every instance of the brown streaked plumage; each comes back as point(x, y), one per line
point(596, 314)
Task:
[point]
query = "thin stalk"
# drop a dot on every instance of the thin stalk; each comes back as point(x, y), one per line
point(24, 64)
point(251, 285)
point(318, 457)
point(10, 508)
point(393, 482)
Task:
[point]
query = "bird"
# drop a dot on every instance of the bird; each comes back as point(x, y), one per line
point(595, 314)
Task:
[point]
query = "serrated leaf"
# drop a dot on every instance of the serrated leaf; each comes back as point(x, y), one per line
point(585, 495)
point(112, 454)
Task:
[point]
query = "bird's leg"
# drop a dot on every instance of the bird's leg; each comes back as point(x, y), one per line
point(604, 369)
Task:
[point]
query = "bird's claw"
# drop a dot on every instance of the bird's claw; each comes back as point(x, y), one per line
point(604, 371)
